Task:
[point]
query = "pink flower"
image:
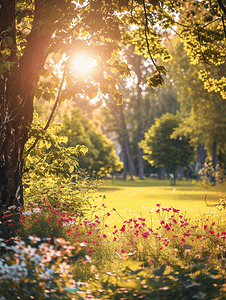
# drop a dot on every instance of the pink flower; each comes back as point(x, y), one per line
point(90, 232)
point(175, 210)
point(123, 228)
point(157, 211)
point(162, 222)
point(205, 226)
point(160, 248)
point(145, 235)
point(96, 217)
point(85, 241)
point(199, 236)
point(69, 230)
point(108, 214)
point(104, 235)
point(106, 225)
point(158, 205)
point(93, 242)
point(113, 208)
point(122, 251)
point(211, 231)
point(90, 251)
point(98, 236)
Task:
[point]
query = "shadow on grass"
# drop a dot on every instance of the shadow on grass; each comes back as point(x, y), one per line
point(148, 182)
point(107, 189)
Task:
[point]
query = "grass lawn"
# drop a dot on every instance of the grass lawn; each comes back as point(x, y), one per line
point(138, 198)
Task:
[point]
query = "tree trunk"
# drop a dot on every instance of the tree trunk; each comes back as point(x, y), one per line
point(139, 120)
point(214, 158)
point(126, 145)
point(125, 163)
point(129, 155)
point(16, 102)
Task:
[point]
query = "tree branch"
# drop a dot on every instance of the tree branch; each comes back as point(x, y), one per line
point(52, 112)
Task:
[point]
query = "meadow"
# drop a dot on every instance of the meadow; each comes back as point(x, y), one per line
point(138, 198)
point(138, 239)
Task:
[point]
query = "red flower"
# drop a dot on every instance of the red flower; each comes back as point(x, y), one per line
point(69, 230)
point(145, 235)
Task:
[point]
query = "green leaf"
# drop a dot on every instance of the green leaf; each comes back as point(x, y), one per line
point(6, 52)
point(46, 96)
point(9, 41)
point(7, 64)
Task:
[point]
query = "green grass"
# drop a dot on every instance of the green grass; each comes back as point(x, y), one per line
point(138, 198)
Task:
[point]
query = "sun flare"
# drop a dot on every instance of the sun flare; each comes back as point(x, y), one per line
point(83, 64)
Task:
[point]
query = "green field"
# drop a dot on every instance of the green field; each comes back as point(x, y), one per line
point(138, 198)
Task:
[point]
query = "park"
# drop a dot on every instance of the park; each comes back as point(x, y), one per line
point(112, 149)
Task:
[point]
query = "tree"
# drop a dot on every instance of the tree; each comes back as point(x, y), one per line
point(101, 156)
point(31, 31)
point(204, 112)
point(161, 149)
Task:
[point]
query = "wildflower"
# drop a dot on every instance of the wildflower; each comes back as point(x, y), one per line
point(157, 211)
point(98, 236)
point(123, 228)
point(69, 230)
point(90, 232)
point(205, 226)
point(122, 251)
point(199, 236)
point(145, 235)
point(106, 225)
point(108, 214)
point(162, 222)
point(160, 248)
point(175, 210)
point(113, 208)
point(158, 205)
point(90, 251)
point(85, 241)
point(104, 235)
point(211, 231)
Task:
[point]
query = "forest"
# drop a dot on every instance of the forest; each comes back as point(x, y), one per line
point(112, 149)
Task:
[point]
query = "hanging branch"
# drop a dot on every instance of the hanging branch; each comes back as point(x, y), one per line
point(222, 6)
point(52, 112)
